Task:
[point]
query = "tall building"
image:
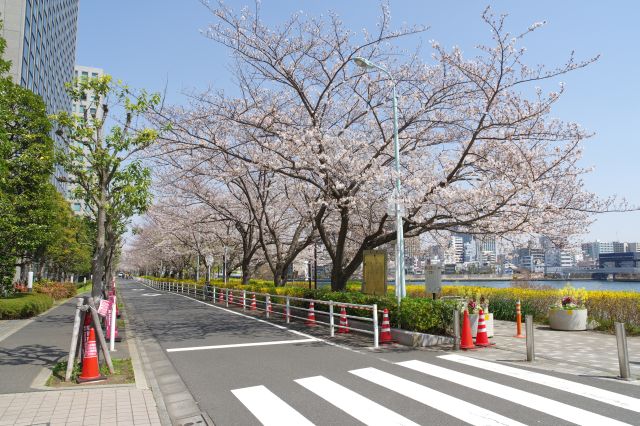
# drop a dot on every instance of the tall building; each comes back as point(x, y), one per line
point(79, 107)
point(455, 252)
point(41, 45)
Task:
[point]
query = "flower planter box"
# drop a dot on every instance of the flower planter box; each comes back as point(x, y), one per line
point(568, 319)
point(488, 321)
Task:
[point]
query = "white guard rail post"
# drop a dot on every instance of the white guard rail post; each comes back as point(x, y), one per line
point(286, 302)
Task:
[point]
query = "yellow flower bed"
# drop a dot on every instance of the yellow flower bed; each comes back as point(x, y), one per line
point(623, 306)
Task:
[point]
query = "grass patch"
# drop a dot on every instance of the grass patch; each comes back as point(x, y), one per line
point(83, 289)
point(123, 374)
point(24, 305)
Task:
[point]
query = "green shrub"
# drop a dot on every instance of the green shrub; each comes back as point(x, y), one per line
point(427, 315)
point(24, 305)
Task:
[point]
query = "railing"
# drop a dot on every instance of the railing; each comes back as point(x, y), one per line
point(273, 305)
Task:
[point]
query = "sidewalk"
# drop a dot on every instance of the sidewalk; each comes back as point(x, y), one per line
point(575, 352)
point(30, 348)
point(108, 406)
point(39, 344)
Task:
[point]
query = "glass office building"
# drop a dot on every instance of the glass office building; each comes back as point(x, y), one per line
point(41, 45)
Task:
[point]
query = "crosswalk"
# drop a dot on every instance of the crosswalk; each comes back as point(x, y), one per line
point(269, 409)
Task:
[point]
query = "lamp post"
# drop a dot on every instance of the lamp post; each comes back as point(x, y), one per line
point(400, 279)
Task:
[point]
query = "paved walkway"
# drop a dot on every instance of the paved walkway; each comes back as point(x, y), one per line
point(108, 406)
point(29, 348)
point(577, 352)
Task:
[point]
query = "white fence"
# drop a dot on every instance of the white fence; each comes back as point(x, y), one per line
point(287, 307)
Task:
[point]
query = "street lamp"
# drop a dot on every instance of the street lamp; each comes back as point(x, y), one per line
point(401, 290)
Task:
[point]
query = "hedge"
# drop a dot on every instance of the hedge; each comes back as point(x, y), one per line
point(23, 305)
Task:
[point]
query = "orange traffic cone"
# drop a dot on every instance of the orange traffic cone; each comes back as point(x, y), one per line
point(90, 367)
point(466, 342)
point(311, 316)
point(519, 321)
point(385, 331)
point(254, 306)
point(344, 322)
point(482, 339)
point(231, 297)
point(220, 296)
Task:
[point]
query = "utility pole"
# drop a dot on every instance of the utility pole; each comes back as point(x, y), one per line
point(224, 265)
point(197, 267)
point(315, 265)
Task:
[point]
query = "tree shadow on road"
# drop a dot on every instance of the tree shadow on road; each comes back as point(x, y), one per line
point(31, 355)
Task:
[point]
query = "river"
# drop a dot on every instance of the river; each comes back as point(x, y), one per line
point(587, 284)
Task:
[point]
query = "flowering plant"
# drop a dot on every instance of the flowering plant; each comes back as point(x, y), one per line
point(572, 299)
point(474, 304)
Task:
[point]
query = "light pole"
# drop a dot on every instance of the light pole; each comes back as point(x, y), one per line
point(401, 290)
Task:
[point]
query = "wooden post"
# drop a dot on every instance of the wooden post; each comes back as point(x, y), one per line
point(98, 329)
point(74, 340)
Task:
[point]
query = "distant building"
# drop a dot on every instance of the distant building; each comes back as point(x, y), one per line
point(531, 259)
point(80, 107)
point(593, 250)
point(559, 258)
point(619, 247)
point(455, 252)
point(620, 260)
point(633, 247)
point(413, 247)
point(41, 45)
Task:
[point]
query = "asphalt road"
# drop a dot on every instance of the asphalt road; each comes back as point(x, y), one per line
point(242, 371)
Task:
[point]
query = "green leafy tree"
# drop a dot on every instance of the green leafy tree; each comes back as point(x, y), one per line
point(71, 246)
point(26, 164)
point(101, 162)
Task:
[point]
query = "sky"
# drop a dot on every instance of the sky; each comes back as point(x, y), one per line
point(158, 45)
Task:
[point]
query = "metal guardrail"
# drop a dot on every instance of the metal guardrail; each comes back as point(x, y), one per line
point(287, 307)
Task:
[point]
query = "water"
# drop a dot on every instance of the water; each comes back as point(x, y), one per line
point(587, 284)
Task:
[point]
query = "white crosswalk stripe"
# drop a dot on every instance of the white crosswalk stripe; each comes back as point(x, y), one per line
point(354, 404)
point(268, 408)
point(454, 407)
point(602, 395)
point(517, 396)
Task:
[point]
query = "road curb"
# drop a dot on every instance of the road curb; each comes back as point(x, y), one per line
point(176, 404)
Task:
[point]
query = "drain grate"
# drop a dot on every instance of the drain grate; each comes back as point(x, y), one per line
point(194, 421)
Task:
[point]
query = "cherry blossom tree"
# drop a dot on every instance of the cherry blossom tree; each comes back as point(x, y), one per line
point(480, 151)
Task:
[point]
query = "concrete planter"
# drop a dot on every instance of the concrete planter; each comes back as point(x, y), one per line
point(417, 339)
point(488, 321)
point(568, 319)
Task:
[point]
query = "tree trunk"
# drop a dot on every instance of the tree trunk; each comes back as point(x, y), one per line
point(246, 273)
point(97, 262)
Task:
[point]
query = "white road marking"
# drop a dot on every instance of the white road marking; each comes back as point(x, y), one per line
point(152, 294)
point(354, 404)
point(602, 395)
point(326, 342)
point(241, 345)
point(517, 396)
point(268, 408)
point(454, 407)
